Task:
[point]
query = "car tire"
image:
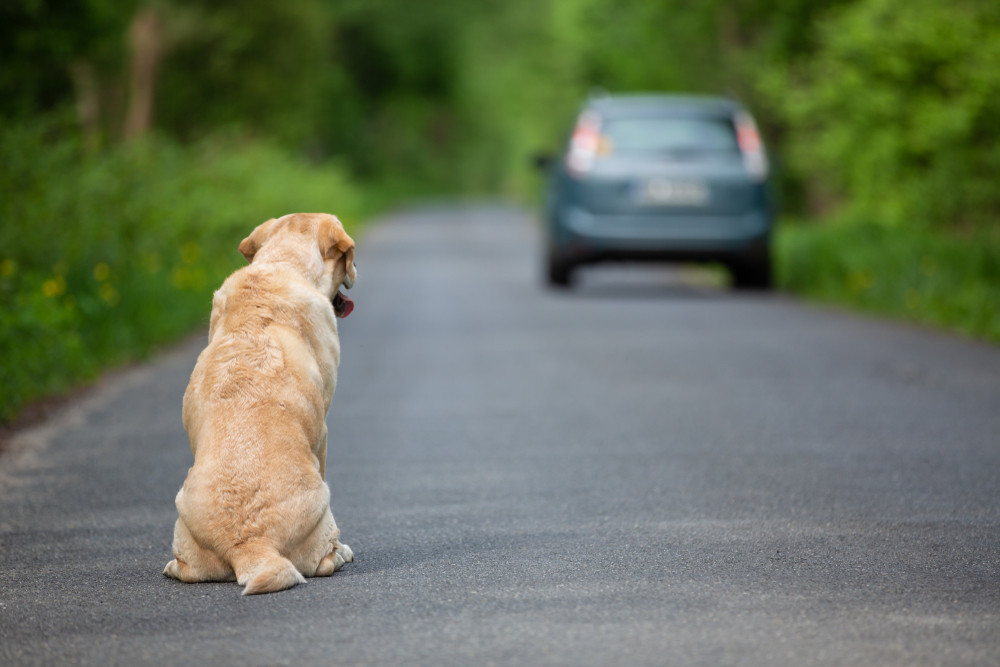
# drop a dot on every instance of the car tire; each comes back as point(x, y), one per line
point(558, 270)
point(754, 273)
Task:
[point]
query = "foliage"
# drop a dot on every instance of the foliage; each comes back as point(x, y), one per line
point(267, 67)
point(105, 257)
point(897, 111)
point(42, 41)
point(922, 275)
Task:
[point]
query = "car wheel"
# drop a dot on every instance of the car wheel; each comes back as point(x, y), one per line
point(558, 270)
point(753, 273)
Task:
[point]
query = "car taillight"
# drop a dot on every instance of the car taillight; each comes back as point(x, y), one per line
point(751, 146)
point(584, 144)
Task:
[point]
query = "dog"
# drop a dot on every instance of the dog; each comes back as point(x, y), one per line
point(255, 506)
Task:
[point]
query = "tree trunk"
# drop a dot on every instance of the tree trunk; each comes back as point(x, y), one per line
point(145, 42)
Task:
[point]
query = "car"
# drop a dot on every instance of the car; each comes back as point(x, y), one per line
point(661, 178)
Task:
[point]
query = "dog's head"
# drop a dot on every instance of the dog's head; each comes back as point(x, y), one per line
point(317, 243)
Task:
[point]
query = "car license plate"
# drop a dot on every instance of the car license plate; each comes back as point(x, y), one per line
point(663, 192)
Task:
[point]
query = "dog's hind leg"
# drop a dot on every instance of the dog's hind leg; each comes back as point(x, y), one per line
point(321, 554)
point(192, 563)
point(335, 554)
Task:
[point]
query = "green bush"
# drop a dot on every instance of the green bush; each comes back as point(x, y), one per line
point(104, 257)
point(896, 112)
point(921, 275)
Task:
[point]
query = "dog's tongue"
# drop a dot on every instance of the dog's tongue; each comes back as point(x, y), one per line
point(342, 306)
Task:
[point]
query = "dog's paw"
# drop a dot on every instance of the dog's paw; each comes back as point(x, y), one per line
point(345, 554)
point(335, 560)
point(172, 570)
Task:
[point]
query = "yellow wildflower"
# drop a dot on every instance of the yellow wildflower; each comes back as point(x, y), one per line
point(54, 286)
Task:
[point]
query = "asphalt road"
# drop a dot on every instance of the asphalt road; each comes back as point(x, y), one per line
point(638, 472)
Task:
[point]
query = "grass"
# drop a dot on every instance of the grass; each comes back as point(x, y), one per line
point(104, 258)
point(916, 274)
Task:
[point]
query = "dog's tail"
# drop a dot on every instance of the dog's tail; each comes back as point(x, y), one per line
point(263, 570)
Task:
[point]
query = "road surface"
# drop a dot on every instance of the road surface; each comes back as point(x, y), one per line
point(638, 472)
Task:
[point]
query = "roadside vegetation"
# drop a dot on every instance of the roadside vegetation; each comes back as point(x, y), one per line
point(139, 141)
point(922, 275)
point(891, 136)
point(106, 257)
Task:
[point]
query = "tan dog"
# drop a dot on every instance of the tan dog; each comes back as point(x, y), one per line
point(255, 506)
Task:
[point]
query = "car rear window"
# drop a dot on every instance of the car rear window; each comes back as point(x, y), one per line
point(668, 135)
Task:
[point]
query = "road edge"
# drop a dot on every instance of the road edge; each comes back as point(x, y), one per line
point(72, 409)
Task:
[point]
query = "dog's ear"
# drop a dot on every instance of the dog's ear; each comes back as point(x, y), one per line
point(333, 240)
point(251, 244)
point(349, 269)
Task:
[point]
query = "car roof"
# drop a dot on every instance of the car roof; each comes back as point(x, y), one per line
point(655, 104)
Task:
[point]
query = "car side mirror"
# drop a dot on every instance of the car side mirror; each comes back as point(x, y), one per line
point(542, 161)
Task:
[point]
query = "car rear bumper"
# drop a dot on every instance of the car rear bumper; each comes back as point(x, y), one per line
point(585, 236)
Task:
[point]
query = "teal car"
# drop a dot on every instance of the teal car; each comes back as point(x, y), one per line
point(661, 178)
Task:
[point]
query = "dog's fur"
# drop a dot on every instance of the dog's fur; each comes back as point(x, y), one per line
point(255, 506)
